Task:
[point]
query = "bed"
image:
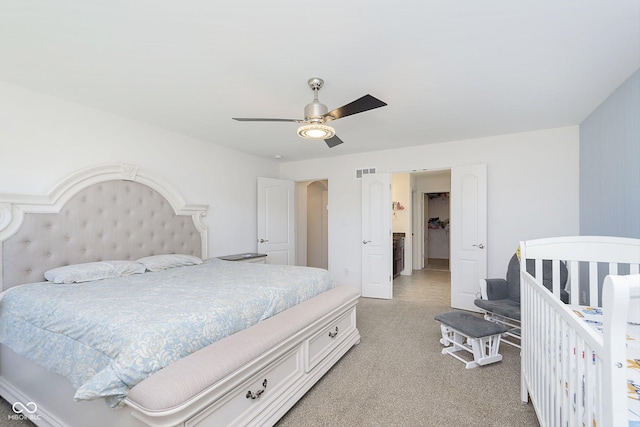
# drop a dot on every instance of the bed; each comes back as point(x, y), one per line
point(580, 361)
point(249, 372)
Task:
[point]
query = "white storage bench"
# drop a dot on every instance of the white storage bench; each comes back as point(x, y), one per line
point(464, 331)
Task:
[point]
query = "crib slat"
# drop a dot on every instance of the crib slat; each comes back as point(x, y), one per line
point(555, 265)
point(574, 282)
point(593, 284)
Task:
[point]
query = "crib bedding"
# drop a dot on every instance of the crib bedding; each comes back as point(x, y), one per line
point(593, 317)
point(107, 335)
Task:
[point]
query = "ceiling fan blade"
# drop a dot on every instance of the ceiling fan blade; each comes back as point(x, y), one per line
point(266, 120)
point(360, 105)
point(333, 141)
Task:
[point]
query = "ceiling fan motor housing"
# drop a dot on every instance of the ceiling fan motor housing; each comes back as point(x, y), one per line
point(313, 112)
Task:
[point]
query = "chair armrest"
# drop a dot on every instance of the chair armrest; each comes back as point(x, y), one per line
point(492, 289)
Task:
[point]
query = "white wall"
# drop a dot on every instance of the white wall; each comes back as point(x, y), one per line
point(301, 222)
point(533, 190)
point(401, 218)
point(317, 231)
point(44, 139)
point(433, 182)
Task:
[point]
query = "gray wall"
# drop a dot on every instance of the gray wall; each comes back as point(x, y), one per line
point(610, 165)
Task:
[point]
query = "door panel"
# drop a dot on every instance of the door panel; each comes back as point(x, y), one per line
point(276, 213)
point(376, 236)
point(468, 233)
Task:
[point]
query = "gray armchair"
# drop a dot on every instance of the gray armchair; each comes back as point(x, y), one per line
point(500, 298)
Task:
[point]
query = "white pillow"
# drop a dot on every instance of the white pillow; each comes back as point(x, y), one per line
point(77, 273)
point(162, 262)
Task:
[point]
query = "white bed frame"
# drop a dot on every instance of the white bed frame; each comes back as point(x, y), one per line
point(257, 383)
point(556, 381)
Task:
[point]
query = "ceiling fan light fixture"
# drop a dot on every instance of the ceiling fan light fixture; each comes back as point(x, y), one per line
point(316, 131)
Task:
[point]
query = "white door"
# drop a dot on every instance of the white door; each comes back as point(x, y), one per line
point(468, 233)
point(276, 213)
point(376, 236)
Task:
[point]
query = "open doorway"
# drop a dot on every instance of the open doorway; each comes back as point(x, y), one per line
point(312, 218)
point(436, 231)
point(467, 185)
point(421, 213)
point(432, 211)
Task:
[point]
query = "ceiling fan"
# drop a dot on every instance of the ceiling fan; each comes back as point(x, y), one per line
point(317, 114)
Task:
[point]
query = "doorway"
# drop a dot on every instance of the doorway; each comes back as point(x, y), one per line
point(426, 188)
point(436, 231)
point(420, 217)
point(312, 218)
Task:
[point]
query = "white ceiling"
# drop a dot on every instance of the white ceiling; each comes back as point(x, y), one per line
point(449, 69)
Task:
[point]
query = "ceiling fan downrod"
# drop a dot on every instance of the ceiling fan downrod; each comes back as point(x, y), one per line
point(314, 111)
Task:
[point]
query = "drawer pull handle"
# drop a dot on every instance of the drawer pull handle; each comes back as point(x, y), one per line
point(258, 393)
point(333, 334)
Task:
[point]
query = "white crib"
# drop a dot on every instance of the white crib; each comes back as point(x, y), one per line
point(574, 374)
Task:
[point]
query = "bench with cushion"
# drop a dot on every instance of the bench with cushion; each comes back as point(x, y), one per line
point(465, 331)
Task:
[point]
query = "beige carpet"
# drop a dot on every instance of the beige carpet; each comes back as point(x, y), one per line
point(397, 376)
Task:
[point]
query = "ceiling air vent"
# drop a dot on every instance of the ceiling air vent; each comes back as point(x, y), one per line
point(365, 171)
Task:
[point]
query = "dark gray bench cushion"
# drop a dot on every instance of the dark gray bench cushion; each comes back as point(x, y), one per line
point(504, 307)
point(470, 325)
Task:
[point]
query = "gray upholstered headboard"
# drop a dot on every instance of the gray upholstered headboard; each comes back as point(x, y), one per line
point(106, 213)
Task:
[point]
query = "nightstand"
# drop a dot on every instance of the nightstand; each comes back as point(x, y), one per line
point(247, 257)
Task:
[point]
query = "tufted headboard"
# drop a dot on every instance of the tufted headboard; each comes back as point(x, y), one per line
point(106, 213)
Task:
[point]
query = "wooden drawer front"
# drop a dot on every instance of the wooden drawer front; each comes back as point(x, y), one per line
point(326, 340)
point(245, 401)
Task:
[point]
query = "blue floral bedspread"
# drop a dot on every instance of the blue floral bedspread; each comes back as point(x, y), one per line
point(108, 335)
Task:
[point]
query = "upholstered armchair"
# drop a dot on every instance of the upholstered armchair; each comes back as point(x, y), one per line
point(500, 298)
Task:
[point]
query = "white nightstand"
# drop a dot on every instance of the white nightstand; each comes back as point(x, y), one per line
point(247, 257)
